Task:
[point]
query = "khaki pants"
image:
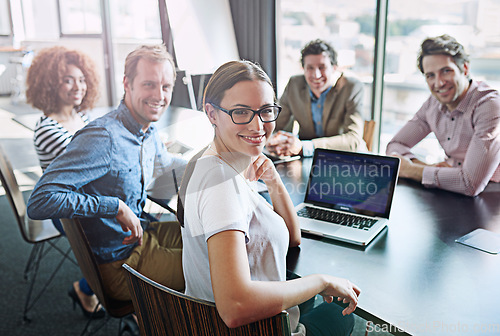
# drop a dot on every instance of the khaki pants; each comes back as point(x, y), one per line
point(159, 258)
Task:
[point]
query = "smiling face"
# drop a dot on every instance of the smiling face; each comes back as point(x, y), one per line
point(445, 79)
point(73, 87)
point(248, 139)
point(150, 93)
point(319, 72)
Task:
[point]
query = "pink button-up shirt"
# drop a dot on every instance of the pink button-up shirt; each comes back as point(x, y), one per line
point(469, 135)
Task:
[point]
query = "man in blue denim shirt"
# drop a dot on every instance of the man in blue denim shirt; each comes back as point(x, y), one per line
point(103, 175)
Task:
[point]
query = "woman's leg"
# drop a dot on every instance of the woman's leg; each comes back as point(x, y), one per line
point(84, 287)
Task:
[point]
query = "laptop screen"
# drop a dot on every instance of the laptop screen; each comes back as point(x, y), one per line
point(352, 182)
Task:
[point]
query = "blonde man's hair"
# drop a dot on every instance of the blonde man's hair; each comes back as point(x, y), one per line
point(153, 53)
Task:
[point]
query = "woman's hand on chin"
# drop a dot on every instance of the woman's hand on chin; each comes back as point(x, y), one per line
point(262, 168)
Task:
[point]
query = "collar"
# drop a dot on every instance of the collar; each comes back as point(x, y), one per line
point(323, 94)
point(337, 86)
point(463, 106)
point(130, 123)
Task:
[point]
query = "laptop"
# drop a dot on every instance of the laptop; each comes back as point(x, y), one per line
point(348, 195)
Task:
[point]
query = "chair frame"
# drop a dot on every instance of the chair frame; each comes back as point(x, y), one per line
point(41, 234)
point(90, 269)
point(164, 311)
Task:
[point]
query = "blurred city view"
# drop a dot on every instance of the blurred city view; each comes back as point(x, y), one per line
point(350, 27)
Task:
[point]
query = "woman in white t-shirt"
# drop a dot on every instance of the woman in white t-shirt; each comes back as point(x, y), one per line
point(234, 242)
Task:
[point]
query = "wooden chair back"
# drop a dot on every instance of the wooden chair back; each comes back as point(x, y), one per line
point(164, 311)
point(90, 269)
point(368, 132)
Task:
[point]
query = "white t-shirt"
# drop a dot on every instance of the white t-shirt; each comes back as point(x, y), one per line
point(219, 199)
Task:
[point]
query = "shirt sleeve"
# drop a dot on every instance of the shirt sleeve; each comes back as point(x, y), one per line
point(481, 159)
point(167, 175)
point(285, 118)
point(412, 133)
point(219, 197)
point(58, 193)
point(307, 148)
point(165, 162)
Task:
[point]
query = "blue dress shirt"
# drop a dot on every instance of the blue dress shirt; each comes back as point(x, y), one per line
point(317, 111)
point(109, 159)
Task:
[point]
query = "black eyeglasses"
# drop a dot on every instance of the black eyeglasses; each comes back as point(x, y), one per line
point(244, 115)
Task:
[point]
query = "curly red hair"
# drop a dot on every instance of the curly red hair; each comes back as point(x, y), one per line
point(46, 73)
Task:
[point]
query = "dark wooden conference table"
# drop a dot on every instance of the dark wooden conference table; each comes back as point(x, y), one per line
point(415, 279)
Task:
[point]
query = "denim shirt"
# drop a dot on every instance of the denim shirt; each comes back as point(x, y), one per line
point(109, 159)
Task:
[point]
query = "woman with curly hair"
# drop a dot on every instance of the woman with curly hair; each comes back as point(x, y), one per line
point(63, 84)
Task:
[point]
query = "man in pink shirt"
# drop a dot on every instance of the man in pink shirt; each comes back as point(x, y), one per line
point(463, 114)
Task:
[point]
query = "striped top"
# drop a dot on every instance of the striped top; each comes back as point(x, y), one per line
point(51, 139)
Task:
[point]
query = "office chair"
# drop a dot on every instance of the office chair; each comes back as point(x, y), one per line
point(164, 311)
point(41, 234)
point(368, 132)
point(90, 269)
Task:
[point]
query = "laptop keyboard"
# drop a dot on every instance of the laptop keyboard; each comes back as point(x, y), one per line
point(353, 221)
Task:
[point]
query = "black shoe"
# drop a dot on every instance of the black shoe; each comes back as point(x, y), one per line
point(128, 326)
point(76, 301)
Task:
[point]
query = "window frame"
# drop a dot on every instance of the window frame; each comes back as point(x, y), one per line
point(8, 16)
point(78, 35)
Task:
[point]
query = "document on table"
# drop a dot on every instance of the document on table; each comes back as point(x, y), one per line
point(483, 240)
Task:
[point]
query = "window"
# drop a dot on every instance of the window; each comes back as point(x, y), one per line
point(349, 26)
point(80, 17)
point(133, 23)
point(135, 19)
point(473, 23)
point(4, 18)
point(40, 19)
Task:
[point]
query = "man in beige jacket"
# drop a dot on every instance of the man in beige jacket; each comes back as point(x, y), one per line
point(326, 104)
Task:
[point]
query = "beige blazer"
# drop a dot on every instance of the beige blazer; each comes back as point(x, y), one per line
point(342, 113)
